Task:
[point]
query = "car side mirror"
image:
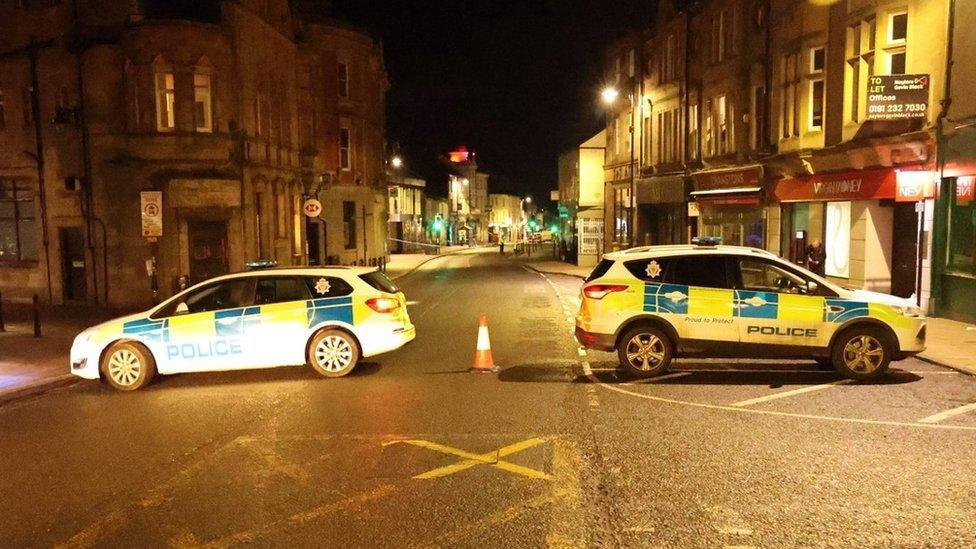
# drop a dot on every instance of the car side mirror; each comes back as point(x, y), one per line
point(182, 309)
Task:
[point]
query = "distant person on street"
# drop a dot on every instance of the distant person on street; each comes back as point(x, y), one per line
point(501, 246)
point(816, 256)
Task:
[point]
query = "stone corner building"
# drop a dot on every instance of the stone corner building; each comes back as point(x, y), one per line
point(236, 113)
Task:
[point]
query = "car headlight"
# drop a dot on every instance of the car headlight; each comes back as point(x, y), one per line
point(908, 310)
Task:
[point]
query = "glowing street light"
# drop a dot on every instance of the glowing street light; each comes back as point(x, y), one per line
point(609, 94)
point(396, 161)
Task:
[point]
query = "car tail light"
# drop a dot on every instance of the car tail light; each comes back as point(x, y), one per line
point(383, 304)
point(598, 291)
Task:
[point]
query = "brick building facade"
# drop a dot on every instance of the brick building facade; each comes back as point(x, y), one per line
point(236, 114)
point(752, 123)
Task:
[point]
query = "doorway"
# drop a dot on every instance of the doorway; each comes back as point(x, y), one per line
point(74, 275)
point(315, 238)
point(904, 250)
point(208, 249)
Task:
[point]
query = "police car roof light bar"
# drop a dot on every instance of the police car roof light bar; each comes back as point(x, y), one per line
point(706, 240)
point(259, 264)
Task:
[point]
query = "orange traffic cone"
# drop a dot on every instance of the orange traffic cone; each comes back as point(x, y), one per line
point(482, 354)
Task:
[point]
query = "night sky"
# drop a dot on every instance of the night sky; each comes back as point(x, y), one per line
point(516, 82)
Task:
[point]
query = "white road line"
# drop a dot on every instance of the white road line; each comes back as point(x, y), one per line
point(762, 371)
point(659, 378)
point(937, 418)
point(786, 394)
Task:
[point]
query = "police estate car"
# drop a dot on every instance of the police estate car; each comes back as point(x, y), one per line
point(328, 317)
point(654, 303)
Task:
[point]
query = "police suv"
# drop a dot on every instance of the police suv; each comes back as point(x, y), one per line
point(654, 303)
point(327, 317)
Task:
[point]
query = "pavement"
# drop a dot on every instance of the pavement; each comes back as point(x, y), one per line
point(30, 365)
point(558, 448)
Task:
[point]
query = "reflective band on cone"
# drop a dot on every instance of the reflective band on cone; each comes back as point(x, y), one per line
point(483, 362)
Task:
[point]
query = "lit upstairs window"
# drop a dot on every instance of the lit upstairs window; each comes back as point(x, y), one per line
point(165, 102)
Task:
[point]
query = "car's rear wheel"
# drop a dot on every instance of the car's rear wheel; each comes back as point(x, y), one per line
point(333, 353)
point(128, 366)
point(645, 351)
point(862, 353)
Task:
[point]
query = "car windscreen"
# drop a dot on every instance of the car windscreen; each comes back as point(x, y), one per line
point(380, 281)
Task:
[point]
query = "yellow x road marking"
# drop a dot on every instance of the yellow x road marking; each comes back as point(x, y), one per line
point(470, 460)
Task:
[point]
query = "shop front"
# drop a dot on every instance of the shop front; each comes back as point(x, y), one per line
point(730, 205)
point(859, 228)
point(955, 268)
point(662, 214)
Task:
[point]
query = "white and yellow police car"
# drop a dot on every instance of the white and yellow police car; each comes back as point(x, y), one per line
point(655, 303)
point(328, 317)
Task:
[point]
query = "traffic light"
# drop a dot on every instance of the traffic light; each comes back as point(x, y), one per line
point(532, 224)
point(438, 225)
point(554, 229)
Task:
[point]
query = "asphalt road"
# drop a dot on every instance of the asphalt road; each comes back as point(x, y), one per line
point(556, 449)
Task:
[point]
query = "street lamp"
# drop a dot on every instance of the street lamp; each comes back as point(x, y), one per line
point(522, 203)
point(396, 161)
point(609, 95)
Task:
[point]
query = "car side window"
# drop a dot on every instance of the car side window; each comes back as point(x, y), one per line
point(764, 276)
point(705, 271)
point(229, 294)
point(649, 270)
point(327, 286)
point(280, 289)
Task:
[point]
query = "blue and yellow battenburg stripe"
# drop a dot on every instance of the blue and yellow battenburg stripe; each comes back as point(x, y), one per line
point(146, 328)
point(690, 300)
point(234, 322)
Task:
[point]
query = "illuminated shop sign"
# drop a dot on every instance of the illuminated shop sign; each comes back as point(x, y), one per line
point(858, 185)
point(965, 187)
point(708, 181)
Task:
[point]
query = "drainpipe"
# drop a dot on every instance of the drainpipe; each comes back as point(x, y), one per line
point(39, 151)
point(88, 194)
point(939, 226)
point(764, 142)
point(684, 88)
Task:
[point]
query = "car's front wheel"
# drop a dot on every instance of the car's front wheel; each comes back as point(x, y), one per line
point(862, 353)
point(128, 366)
point(645, 351)
point(333, 353)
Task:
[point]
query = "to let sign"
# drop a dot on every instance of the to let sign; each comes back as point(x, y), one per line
point(898, 96)
point(151, 203)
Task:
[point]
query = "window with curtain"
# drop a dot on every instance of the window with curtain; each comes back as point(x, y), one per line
point(18, 233)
